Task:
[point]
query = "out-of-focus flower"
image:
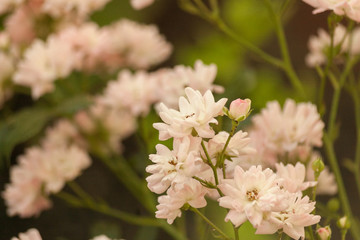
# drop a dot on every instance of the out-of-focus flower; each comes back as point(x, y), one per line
point(81, 8)
point(293, 177)
point(42, 65)
point(31, 234)
point(20, 26)
point(141, 45)
point(42, 171)
point(291, 132)
point(131, 92)
point(173, 166)
point(172, 82)
point(196, 113)
point(190, 192)
point(140, 4)
point(200, 78)
point(320, 44)
point(239, 109)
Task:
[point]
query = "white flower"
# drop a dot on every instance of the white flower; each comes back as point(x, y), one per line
point(140, 4)
point(196, 113)
point(190, 192)
point(102, 237)
point(291, 219)
point(31, 234)
point(42, 65)
point(249, 195)
point(293, 177)
point(291, 132)
point(173, 166)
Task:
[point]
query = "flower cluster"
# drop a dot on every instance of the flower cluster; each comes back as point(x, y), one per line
point(205, 163)
point(269, 201)
point(343, 42)
point(289, 133)
point(43, 170)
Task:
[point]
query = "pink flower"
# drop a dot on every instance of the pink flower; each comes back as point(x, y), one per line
point(291, 132)
point(293, 177)
point(190, 192)
point(31, 234)
point(291, 219)
point(173, 166)
point(196, 113)
point(324, 233)
point(239, 109)
point(250, 195)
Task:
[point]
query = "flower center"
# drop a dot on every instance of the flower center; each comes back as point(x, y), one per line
point(252, 195)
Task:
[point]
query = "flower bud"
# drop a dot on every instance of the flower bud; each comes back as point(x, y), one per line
point(344, 223)
point(239, 109)
point(318, 166)
point(333, 205)
point(324, 233)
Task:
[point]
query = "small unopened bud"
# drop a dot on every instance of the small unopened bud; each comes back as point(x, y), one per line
point(85, 122)
point(344, 223)
point(239, 109)
point(318, 166)
point(324, 233)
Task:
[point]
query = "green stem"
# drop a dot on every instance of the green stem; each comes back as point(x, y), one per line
point(311, 232)
point(280, 235)
point(341, 187)
point(209, 162)
point(221, 164)
point(236, 233)
point(287, 65)
point(210, 223)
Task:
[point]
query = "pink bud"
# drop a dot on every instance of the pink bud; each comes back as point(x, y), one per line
point(324, 233)
point(239, 109)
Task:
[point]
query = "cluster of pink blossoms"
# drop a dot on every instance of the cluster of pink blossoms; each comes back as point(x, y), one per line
point(44, 169)
point(269, 200)
point(346, 42)
point(350, 8)
point(31, 44)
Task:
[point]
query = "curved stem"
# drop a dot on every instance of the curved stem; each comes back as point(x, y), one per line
point(287, 66)
point(341, 187)
point(209, 222)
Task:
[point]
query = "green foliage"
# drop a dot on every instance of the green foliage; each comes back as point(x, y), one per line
point(29, 122)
